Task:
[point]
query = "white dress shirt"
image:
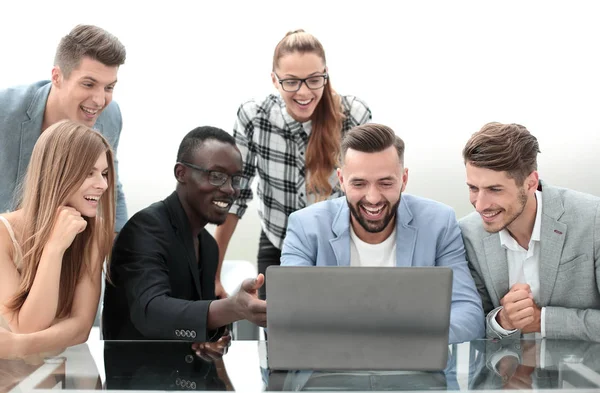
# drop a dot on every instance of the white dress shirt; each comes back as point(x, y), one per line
point(524, 266)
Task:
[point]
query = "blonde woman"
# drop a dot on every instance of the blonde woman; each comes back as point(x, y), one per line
point(53, 246)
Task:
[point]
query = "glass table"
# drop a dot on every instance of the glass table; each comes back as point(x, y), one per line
point(542, 365)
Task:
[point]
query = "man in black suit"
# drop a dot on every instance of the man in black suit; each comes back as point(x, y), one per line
point(164, 262)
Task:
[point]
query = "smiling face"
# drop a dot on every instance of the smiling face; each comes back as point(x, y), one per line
point(85, 199)
point(84, 94)
point(204, 202)
point(302, 103)
point(498, 199)
point(373, 183)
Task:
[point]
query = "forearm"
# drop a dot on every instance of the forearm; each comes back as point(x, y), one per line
point(164, 318)
point(39, 309)
point(223, 234)
point(66, 333)
point(222, 312)
point(467, 322)
point(573, 324)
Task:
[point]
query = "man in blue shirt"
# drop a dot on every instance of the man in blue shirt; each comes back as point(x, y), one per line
point(375, 225)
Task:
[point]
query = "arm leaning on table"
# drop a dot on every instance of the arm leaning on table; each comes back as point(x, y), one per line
point(466, 314)
point(70, 331)
point(573, 323)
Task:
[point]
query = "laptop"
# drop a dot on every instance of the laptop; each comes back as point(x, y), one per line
point(358, 318)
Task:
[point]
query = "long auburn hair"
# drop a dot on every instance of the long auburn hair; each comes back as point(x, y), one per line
point(323, 150)
point(62, 157)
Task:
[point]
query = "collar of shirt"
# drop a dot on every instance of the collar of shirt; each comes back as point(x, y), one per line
point(508, 242)
point(293, 124)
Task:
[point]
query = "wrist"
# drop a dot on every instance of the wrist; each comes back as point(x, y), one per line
point(19, 345)
point(51, 249)
point(503, 321)
point(236, 308)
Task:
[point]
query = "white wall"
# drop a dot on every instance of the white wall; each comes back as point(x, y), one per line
point(435, 71)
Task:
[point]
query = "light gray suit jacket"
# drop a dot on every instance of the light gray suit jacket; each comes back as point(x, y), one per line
point(569, 264)
point(21, 116)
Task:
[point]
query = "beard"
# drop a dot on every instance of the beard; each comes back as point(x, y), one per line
point(374, 226)
point(522, 201)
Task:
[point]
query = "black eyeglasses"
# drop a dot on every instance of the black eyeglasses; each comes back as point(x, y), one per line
point(218, 178)
point(314, 82)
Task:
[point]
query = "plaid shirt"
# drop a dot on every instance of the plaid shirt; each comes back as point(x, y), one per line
point(273, 145)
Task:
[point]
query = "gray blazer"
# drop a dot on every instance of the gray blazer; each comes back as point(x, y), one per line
point(569, 265)
point(21, 116)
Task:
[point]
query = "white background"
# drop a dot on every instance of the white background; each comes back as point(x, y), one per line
point(435, 71)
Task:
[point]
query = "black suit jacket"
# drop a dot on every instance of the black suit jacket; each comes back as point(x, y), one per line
point(159, 290)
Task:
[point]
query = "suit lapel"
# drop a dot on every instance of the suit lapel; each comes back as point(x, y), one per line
point(341, 229)
point(184, 234)
point(497, 264)
point(206, 270)
point(552, 239)
point(406, 235)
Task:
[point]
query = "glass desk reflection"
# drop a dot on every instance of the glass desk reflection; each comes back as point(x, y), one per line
point(168, 365)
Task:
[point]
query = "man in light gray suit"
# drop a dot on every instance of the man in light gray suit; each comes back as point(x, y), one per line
point(81, 87)
point(533, 249)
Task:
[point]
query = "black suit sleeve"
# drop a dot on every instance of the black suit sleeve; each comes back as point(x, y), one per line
point(143, 254)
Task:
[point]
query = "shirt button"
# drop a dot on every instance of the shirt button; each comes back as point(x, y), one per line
point(189, 359)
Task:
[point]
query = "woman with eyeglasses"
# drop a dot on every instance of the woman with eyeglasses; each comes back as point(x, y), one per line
point(292, 141)
point(52, 248)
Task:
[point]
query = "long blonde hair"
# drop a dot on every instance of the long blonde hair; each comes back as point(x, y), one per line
point(62, 158)
point(323, 150)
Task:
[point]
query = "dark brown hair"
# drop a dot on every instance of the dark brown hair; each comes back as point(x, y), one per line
point(322, 152)
point(372, 138)
point(503, 147)
point(90, 41)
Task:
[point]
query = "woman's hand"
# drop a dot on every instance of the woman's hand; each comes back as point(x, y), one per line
point(69, 223)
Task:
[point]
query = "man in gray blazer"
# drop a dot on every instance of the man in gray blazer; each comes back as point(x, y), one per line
point(533, 249)
point(81, 87)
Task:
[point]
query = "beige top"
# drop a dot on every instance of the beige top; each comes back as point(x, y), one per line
point(18, 257)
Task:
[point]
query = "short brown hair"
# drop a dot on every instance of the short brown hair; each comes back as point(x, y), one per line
point(372, 138)
point(90, 41)
point(503, 147)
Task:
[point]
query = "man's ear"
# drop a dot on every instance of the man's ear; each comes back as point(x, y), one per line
point(341, 180)
point(404, 179)
point(57, 76)
point(179, 171)
point(532, 182)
